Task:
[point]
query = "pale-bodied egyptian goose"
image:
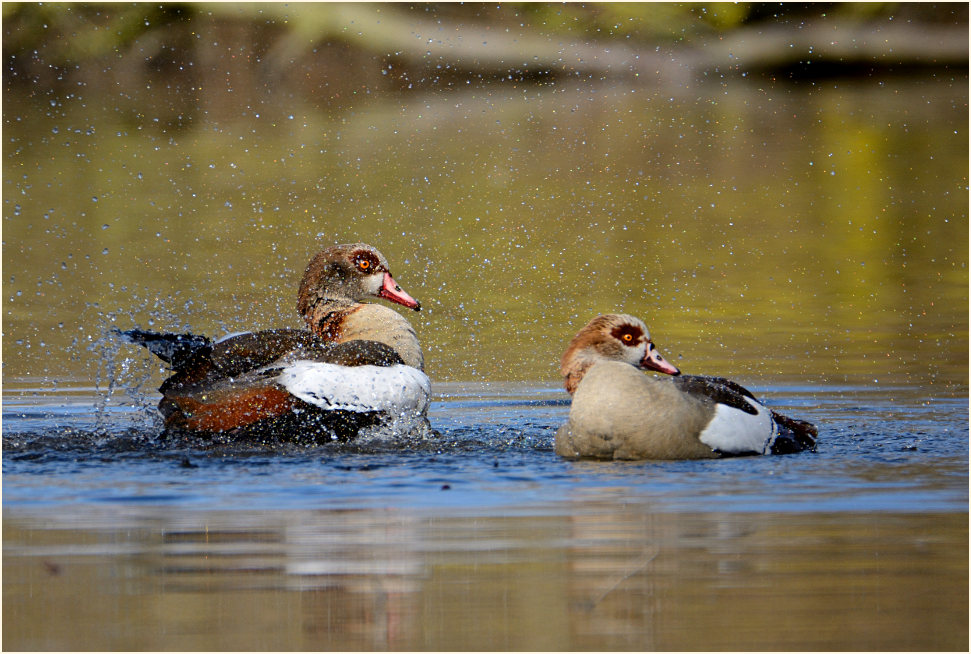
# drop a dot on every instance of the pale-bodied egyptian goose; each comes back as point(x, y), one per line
point(618, 412)
point(359, 365)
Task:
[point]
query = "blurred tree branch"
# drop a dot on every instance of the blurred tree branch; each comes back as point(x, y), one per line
point(651, 41)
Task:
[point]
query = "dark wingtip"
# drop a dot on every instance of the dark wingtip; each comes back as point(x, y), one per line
point(794, 435)
point(129, 335)
point(174, 349)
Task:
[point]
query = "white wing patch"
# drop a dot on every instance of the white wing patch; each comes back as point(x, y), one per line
point(395, 389)
point(733, 431)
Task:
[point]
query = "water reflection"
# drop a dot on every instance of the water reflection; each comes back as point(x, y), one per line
point(803, 232)
point(484, 539)
point(604, 576)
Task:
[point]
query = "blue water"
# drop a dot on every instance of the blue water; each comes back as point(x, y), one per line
point(881, 448)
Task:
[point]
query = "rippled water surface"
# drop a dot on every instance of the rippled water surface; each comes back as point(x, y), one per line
point(482, 538)
point(905, 452)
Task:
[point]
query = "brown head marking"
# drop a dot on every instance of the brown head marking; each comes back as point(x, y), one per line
point(366, 262)
point(628, 334)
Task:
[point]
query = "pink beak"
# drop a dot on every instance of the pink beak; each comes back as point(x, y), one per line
point(391, 291)
point(654, 361)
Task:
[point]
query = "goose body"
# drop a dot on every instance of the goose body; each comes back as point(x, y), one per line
point(356, 368)
point(618, 412)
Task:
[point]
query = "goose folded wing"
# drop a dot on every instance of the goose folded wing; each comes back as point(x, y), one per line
point(718, 390)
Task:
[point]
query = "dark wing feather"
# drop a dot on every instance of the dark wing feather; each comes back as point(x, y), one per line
point(357, 353)
point(717, 389)
point(245, 352)
point(794, 435)
point(735, 386)
point(240, 355)
point(348, 353)
point(174, 349)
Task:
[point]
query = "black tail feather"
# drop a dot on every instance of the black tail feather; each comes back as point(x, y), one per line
point(174, 349)
point(794, 435)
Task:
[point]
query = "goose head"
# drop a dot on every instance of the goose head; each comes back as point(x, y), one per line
point(347, 274)
point(611, 337)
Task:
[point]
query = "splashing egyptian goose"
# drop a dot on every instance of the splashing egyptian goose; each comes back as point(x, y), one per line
point(619, 413)
point(359, 366)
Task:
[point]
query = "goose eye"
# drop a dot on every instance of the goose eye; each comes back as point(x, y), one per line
point(627, 338)
point(363, 264)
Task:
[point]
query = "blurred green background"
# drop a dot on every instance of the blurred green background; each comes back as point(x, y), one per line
point(780, 191)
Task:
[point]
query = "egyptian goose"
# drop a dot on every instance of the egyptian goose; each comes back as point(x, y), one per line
point(620, 413)
point(359, 365)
